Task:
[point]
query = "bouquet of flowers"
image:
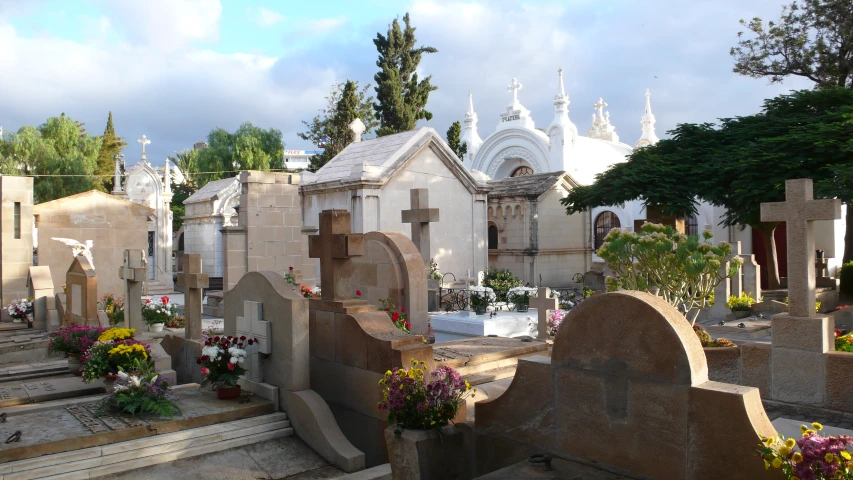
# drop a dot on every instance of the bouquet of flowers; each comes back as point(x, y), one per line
point(139, 390)
point(399, 319)
point(309, 292)
point(818, 457)
point(221, 358)
point(413, 402)
point(114, 308)
point(20, 310)
point(480, 298)
point(153, 312)
point(290, 278)
point(74, 340)
point(555, 320)
point(114, 351)
point(520, 297)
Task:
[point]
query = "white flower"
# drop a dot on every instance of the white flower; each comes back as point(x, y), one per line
point(123, 375)
point(212, 351)
point(234, 360)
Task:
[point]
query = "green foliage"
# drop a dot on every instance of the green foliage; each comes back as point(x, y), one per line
point(846, 277)
point(844, 343)
point(249, 148)
point(500, 280)
point(684, 269)
point(139, 391)
point(187, 163)
point(330, 129)
point(741, 303)
point(454, 141)
point(97, 362)
point(811, 39)
point(111, 146)
point(401, 98)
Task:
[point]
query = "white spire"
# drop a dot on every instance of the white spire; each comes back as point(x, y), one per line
point(470, 137)
point(561, 113)
point(601, 127)
point(167, 178)
point(117, 175)
point(562, 90)
point(648, 121)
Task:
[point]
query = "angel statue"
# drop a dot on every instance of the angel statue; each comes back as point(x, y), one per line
point(78, 248)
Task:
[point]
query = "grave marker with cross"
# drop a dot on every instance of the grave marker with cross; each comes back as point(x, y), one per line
point(335, 246)
point(420, 216)
point(252, 325)
point(193, 282)
point(134, 272)
point(543, 303)
point(799, 211)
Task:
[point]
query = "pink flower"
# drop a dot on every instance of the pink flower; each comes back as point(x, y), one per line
point(164, 299)
point(205, 370)
point(230, 366)
point(358, 293)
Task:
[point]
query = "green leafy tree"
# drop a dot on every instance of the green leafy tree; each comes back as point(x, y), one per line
point(187, 163)
point(111, 146)
point(330, 129)
point(249, 148)
point(401, 98)
point(739, 164)
point(812, 39)
point(454, 140)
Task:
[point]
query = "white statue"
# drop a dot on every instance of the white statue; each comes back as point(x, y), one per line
point(78, 248)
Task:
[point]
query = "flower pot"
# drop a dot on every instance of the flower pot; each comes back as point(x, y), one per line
point(155, 327)
point(522, 308)
point(110, 377)
point(17, 320)
point(423, 454)
point(228, 393)
point(480, 310)
point(74, 364)
point(819, 254)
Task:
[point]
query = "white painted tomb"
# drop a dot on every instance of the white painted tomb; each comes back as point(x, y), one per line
point(467, 324)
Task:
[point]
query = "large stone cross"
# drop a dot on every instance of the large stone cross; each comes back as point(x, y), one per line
point(134, 272)
point(543, 303)
point(514, 87)
point(335, 246)
point(420, 216)
point(193, 282)
point(799, 211)
point(252, 325)
point(144, 141)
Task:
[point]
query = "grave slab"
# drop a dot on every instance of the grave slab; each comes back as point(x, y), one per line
point(43, 390)
point(464, 324)
point(470, 351)
point(753, 328)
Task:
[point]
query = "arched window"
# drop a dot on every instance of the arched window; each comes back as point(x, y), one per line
point(521, 171)
point(604, 222)
point(691, 225)
point(493, 237)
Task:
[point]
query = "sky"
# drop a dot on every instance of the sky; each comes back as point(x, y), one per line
point(175, 69)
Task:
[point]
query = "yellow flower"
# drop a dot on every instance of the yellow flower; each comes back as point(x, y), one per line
point(777, 463)
point(797, 457)
point(790, 443)
point(803, 428)
point(829, 457)
point(817, 426)
point(845, 454)
point(784, 451)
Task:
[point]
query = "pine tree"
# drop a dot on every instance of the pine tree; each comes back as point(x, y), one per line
point(454, 140)
point(401, 98)
point(111, 146)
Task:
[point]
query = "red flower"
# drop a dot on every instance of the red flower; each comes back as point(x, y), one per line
point(242, 337)
point(395, 317)
point(230, 366)
point(251, 342)
point(147, 301)
point(198, 361)
point(291, 269)
point(408, 325)
point(403, 309)
point(358, 293)
point(837, 332)
point(205, 370)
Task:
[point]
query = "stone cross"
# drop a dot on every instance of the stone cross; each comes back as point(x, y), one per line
point(117, 175)
point(543, 303)
point(799, 211)
point(252, 325)
point(193, 282)
point(358, 128)
point(144, 141)
point(335, 246)
point(751, 276)
point(600, 107)
point(514, 87)
point(134, 272)
point(420, 216)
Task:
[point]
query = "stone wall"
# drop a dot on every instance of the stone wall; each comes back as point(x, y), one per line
point(16, 237)
point(113, 224)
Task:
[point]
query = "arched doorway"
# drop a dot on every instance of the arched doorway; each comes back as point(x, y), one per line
point(493, 236)
point(604, 222)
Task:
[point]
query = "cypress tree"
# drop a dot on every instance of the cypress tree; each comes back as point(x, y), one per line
point(454, 141)
point(111, 146)
point(401, 97)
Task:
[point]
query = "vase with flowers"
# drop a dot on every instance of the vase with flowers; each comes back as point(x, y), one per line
point(20, 310)
point(221, 363)
point(156, 314)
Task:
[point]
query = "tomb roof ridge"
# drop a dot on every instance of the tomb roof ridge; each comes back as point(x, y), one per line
point(89, 193)
point(211, 190)
point(528, 185)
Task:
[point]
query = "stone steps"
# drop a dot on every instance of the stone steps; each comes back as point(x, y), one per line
point(130, 455)
point(491, 375)
point(26, 371)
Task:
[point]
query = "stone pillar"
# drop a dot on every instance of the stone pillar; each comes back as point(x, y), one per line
point(40, 288)
point(193, 282)
point(751, 276)
point(234, 259)
point(134, 272)
point(721, 294)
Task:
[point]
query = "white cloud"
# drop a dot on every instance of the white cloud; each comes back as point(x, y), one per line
point(323, 25)
point(264, 17)
point(166, 24)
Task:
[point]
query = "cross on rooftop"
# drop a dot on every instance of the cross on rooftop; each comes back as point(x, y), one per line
point(514, 87)
point(144, 141)
point(420, 216)
point(600, 107)
point(799, 211)
point(335, 246)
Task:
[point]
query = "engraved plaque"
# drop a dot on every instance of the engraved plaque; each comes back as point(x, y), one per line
point(76, 299)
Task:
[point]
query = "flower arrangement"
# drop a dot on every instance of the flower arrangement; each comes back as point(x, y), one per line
point(139, 390)
point(358, 294)
point(20, 310)
point(684, 269)
point(480, 298)
point(221, 358)
point(309, 292)
point(555, 320)
point(74, 340)
point(741, 303)
point(843, 343)
point(112, 356)
point(176, 321)
point(116, 333)
point(434, 273)
point(818, 457)
point(398, 318)
point(114, 308)
point(414, 403)
point(153, 312)
point(520, 297)
point(500, 281)
point(289, 277)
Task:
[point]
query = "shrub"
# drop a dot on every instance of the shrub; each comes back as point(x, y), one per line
point(500, 280)
point(843, 343)
point(741, 303)
point(846, 276)
point(74, 339)
point(414, 403)
point(704, 337)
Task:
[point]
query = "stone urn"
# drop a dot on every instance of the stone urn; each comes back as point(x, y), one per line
point(74, 364)
point(426, 454)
